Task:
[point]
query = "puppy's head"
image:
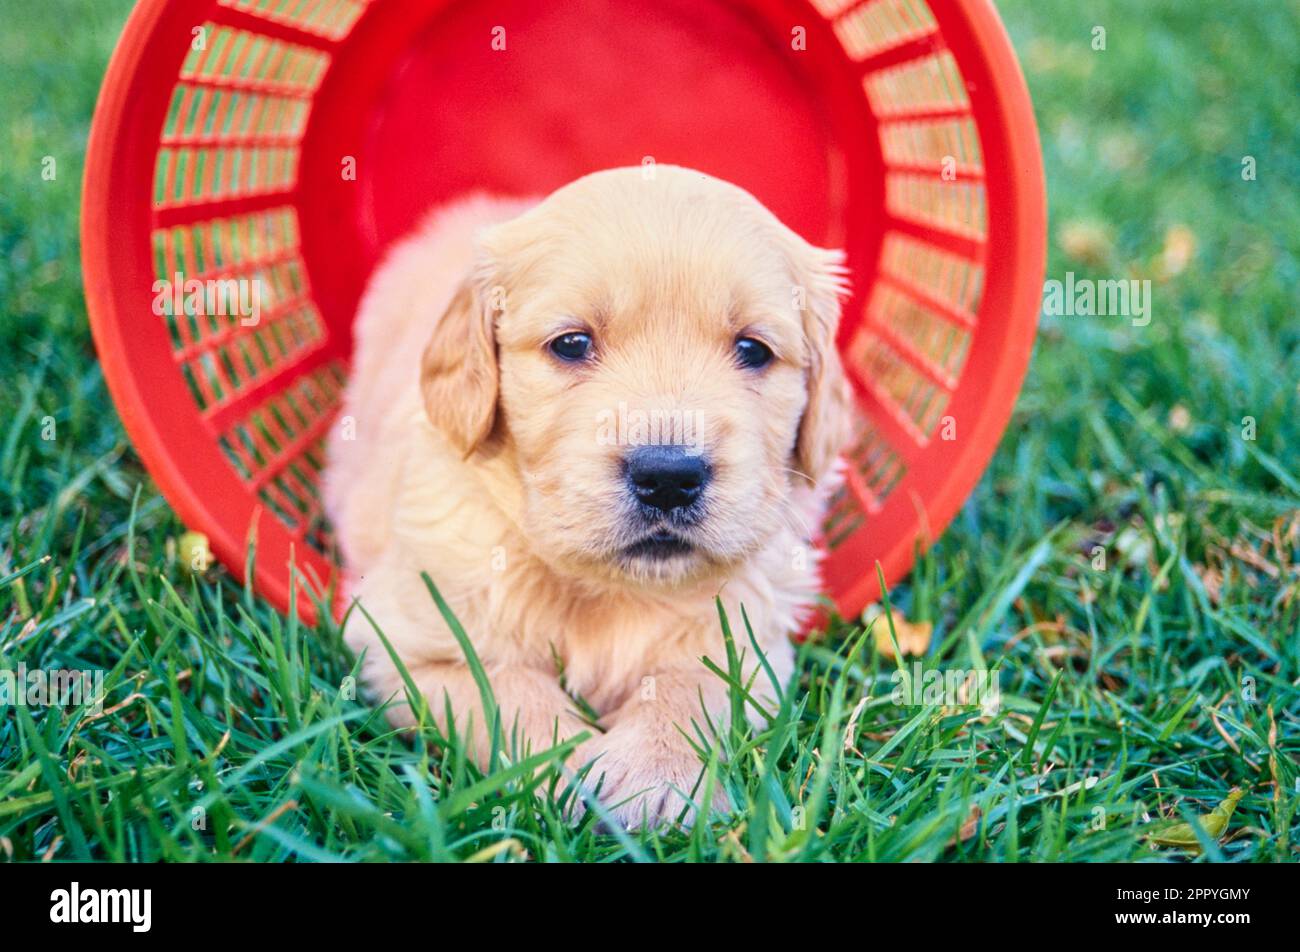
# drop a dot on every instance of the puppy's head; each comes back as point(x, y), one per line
point(657, 355)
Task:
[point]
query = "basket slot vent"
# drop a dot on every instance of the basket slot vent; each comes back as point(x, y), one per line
point(955, 207)
point(929, 85)
point(914, 401)
point(258, 348)
point(205, 115)
point(926, 145)
point(845, 515)
point(226, 368)
point(235, 404)
point(929, 342)
point(182, 255)
point(950, 285)
point(286, 506)
point(332, 19)
point(881, 25)
point(279, 448)
point(874, 470)
point(319, 534)
point(878, 466)
point(240, 59)
point(234, 296)
point(198, 175)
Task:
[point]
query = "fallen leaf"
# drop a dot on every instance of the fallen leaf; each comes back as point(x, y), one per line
point(1243, 551)
point(1180, 247)
point(1179, 418)
point(913, 637)
point(968, 826)
point(1086, 241)
point(1180, 835)
point(1121, 150)
point(1212, 581)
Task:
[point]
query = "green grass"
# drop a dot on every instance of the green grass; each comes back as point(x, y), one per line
point(228, 737)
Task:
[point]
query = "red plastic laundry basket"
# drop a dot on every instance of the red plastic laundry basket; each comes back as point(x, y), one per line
point(286, 142)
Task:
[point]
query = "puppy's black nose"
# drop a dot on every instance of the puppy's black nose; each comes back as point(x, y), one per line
point(666, 477)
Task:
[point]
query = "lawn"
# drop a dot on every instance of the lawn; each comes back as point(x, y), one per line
point(1129, 565)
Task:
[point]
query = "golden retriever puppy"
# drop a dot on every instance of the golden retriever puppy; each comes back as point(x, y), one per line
point(586, 418)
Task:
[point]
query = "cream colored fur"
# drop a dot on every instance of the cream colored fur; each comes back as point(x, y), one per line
point(466, 450)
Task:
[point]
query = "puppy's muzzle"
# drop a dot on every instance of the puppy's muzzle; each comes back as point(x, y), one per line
point(666, 477)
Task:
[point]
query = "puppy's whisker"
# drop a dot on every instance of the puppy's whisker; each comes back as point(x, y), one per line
point(798, 472)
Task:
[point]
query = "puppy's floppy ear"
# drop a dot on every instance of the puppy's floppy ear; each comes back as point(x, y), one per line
point(821, 282)
point(459, 377)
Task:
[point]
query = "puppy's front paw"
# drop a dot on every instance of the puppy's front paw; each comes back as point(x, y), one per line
point(643, 778)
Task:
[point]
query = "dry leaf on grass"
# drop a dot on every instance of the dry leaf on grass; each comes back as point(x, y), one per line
point(969, 826)
point(1181, 835)
point(1086, 241)
point(1180, 419)
point(913, 637)
point(1212, 581)
point(1180, 248)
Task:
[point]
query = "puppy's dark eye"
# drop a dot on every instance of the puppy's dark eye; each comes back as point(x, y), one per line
point(752, 354)
point(572, 347)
